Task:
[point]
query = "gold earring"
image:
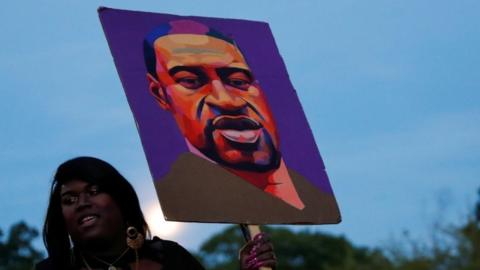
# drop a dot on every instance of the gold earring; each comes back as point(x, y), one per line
point(134, 238)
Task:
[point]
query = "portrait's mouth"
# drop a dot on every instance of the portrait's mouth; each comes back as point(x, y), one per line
point(238, 129)
point(243, 136)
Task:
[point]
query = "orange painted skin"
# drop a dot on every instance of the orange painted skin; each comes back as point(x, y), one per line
point(183, 92)
point(208, 87)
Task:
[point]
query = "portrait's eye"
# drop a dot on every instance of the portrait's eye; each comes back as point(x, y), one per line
point(239, 80)
point(188, 79)
point(69, 199)
point(190, 82)
point(237, 83)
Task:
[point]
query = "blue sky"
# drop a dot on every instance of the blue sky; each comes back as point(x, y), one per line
point(390, 89)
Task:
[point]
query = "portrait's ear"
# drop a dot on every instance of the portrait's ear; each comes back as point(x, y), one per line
point(156, 89)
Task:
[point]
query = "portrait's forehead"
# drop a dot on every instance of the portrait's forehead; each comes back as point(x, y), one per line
point(194, 49)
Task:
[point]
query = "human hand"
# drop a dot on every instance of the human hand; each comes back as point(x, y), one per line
point(257, 253)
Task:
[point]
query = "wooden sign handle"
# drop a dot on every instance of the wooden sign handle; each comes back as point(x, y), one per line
point(249, 232)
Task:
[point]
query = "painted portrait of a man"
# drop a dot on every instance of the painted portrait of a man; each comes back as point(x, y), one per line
point(203, 80)
point(233, 169)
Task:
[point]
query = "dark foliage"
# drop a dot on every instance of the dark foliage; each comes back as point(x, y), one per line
point(16, 251)
point(295, 250)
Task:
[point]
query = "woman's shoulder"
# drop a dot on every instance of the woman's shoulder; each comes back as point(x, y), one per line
point(45, 264)
point(170, 253)
point(158, 243)
point(162, 247)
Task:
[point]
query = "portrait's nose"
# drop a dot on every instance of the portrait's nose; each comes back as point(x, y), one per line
point(224, 99)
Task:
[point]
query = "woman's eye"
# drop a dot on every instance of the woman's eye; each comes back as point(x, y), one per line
point(93, 190)
point(190, 82)
point(69, 200)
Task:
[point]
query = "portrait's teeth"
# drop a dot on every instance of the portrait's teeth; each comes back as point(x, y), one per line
point(241, 136)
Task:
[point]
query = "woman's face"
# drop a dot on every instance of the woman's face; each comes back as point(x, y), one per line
point(90, 214)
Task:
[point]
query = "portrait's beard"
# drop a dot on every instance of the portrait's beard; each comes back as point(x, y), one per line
point(265, 140)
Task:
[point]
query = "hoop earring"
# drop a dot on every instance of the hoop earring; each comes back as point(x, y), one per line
point(134, 238)
point(134, 241)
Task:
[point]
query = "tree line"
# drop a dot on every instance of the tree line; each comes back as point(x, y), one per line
point(454, 247)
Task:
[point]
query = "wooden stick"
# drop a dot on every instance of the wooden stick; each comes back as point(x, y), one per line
point(249, 232)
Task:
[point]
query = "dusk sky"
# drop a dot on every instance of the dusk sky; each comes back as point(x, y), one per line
point(391, 90)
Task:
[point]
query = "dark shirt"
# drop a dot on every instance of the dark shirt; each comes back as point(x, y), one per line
point(169, 254)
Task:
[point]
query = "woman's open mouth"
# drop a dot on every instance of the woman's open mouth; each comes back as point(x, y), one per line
point(88, 220)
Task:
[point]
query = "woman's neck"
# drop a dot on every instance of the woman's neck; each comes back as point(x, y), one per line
point(104, 249)
point(104, 260)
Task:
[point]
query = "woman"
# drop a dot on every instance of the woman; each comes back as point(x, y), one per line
point(94, 221)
